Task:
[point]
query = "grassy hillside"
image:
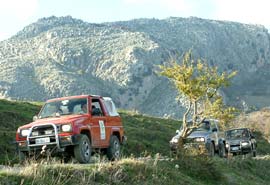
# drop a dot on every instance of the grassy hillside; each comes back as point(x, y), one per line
point(143, 162)
point(12, 115)
point(146, 135)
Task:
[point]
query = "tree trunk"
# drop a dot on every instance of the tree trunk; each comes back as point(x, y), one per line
point(185, 115)
point(185, 133)
point(184, 128)
point(195, 112)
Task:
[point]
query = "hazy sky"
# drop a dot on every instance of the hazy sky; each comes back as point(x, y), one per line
point(16, 14)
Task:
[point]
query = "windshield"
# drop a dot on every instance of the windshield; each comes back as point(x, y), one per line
point(64, 107)
point(205, 126)
point(238, 133)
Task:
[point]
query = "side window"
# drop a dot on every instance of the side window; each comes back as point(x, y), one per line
point(110, 107)
point(96, 108)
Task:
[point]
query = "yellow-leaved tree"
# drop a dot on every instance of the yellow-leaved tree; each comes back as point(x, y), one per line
point(199, 83)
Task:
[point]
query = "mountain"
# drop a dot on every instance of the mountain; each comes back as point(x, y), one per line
point(62, 56)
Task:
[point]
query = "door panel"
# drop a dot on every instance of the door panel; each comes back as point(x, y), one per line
point(99, 123)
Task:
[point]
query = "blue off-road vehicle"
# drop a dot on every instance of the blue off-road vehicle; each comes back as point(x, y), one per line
point(240, 141)
point(207, 136)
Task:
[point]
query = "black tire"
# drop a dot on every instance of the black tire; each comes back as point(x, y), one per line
point(82, 151)
point(254, 153)
point(113, 152)
point(211, 152)
point(222, 151)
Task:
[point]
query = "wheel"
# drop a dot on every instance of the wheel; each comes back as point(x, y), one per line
point(113, 152)
point(222, 151)
point(211, 151)
point(82, 151)
point(254, 153)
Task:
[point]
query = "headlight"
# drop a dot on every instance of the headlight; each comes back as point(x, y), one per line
point(24, 132)
point(227, 145)
point(66, 128)
point(35, 133)
point(174, 140)
point(199, 139)
point(48, 132)
point(245, 143)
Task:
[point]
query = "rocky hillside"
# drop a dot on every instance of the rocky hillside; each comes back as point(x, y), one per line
point(60, 56)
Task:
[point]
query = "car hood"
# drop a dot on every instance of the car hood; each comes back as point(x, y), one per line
point(233, 141)
point(195, 134)
point(57, 120)
point(198, 134)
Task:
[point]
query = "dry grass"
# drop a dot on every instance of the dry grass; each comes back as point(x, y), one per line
point(258, 121)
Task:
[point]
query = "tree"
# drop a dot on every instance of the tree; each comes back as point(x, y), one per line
point(199, 83)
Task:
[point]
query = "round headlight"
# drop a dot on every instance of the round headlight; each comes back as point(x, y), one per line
point(66, 128)
point(24, 132)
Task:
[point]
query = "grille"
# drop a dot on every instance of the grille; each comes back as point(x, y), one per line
point(189, 140)
point(44, 130)
point(192, 140)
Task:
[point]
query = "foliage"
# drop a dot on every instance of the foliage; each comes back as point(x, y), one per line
point(199, 83)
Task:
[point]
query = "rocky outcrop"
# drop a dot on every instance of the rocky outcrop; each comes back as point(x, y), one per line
point(61, 56)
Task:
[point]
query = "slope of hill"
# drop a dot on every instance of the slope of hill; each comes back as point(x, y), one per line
point(144, 160)
point(146, 135)
point(58, 56)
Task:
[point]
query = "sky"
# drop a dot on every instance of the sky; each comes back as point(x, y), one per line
point(16, 14)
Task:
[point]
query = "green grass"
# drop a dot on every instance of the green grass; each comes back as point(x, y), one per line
point(148, 139)
point(195, 170)
point(12, 115)
point(122, 172)
point(147, 135)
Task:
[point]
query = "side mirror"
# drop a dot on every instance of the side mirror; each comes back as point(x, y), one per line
point(177, 131)
point(35, 117)
point(214, 130)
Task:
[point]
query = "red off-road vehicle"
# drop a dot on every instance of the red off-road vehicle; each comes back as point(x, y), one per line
point(73, 126)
